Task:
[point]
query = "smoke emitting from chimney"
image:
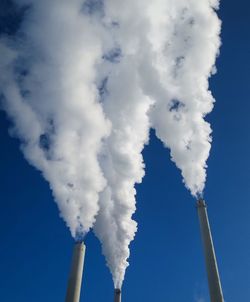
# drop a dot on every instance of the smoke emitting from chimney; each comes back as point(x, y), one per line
point(84, 83)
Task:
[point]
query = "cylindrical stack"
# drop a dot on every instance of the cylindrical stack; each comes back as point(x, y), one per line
point(75, 278)
point(118, 295)
point(215, 289)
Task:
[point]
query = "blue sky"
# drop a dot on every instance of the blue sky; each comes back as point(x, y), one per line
point(166, 262)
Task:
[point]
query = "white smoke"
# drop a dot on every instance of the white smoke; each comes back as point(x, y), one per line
point(167, 53)
point(48, 82)
point(85, 81)
point(127, 107)
point(122, 165)
point(185, 46)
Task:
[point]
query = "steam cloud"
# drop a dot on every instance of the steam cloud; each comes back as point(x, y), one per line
point(84, 81)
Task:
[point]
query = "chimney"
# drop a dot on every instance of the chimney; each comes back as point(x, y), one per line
point(75, 278)
point(215, 289)
point(118, 295)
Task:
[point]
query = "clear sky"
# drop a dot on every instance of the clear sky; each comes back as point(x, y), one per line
point(166, 262)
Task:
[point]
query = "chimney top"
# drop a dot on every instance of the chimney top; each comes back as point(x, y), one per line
point(201, 203)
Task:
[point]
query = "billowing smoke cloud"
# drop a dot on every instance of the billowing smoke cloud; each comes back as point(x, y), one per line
point(48, 83)
point(127, 107)
point(167, 51)
point(85, 81)
point(185, 45)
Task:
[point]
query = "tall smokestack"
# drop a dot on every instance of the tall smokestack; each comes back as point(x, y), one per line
point(75, 278)
point(215, 289)
point(118, 295)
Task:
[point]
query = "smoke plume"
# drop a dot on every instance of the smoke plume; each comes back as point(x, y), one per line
point(84, 81)
point(49, 91)
point(167, 51)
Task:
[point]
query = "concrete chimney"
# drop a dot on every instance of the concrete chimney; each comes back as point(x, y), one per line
point(215, 289)
point(118, 295)
point(75, 278)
